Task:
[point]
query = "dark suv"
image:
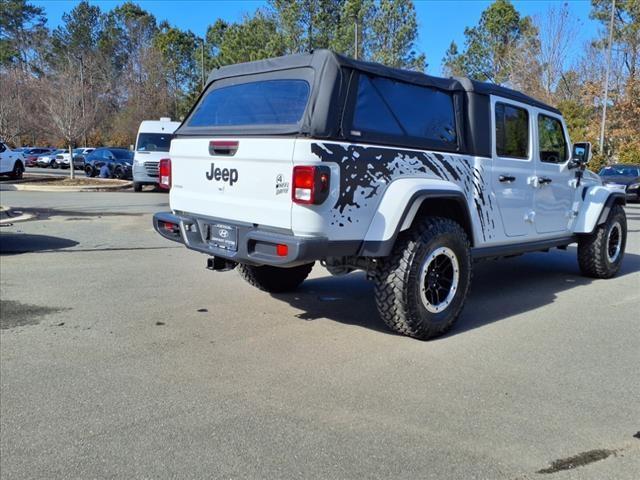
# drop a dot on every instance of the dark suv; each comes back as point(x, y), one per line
point(119, 161)
point(627, 176)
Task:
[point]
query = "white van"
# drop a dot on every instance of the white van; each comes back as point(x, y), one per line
point(152, 145)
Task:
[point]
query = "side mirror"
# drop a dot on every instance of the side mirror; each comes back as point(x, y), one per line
point(581, 154)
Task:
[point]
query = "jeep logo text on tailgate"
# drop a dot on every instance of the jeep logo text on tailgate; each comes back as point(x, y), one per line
point(229, 175)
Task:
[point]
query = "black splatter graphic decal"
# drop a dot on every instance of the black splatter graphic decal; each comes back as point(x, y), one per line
point(366, 171)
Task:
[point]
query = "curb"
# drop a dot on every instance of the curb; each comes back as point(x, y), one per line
point(29, 178)
point(53, 188)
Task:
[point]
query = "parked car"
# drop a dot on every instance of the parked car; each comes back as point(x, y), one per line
point(119, 161)
point(78, 158)
point(31, 155)
point(11, 162)
point(318, 157)
point(623, 176)
point(49, 159)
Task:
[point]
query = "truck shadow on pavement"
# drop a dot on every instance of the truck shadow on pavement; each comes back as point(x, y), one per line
point(47, 213)
point(499, 290)
point(16, 243)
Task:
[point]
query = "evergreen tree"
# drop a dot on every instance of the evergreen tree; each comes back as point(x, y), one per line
point(23, 34)
point(355, 14)
point(177, 49)
point(490, 46)
point(394, 32)
point(80, 31)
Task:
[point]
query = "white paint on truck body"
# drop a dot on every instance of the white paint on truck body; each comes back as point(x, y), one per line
point(253, 186)
point(251, 198)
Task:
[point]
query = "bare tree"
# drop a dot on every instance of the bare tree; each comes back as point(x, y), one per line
point(70, 109)
point(14, 120)
point(558, 30)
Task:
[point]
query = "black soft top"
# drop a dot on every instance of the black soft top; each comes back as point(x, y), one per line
point(319, 60)
point(328, 109)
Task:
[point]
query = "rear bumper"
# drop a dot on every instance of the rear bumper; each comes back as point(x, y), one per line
point(255, 245)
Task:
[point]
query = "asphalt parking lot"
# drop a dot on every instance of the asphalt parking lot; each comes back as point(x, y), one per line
point(122, 357)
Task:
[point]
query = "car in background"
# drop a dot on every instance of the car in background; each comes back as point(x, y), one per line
point(78, 157)
point(119, 161)
point(11, 162)
point(49, 159)
point(624, 176)
point(31, 155)
point(152, 145)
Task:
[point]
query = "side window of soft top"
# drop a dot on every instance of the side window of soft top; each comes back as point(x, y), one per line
point(552, 144)
point(512, 131)
point(396, 110)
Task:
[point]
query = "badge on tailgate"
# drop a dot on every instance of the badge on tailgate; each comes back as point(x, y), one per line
point(227, 175)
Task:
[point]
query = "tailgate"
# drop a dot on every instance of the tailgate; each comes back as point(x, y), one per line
point(250, 185)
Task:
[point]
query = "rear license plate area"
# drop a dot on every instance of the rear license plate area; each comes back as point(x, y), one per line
point(223, 236)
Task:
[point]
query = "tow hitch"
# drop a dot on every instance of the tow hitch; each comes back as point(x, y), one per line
point(219, 264)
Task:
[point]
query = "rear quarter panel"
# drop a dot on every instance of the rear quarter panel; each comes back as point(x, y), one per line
point(362, 175)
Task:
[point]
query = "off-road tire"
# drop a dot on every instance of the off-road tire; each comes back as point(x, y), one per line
point(118, 173)
point(89, 171)
point(18, 170)
point(137, 187)
point(593, 257)
point(397, 279)
point(275, 279)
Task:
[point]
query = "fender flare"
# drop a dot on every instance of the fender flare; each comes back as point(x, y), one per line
point(597, 202)
point(374, 246)
point(616, 198)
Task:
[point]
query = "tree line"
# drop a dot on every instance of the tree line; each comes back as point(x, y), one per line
point(97, 75)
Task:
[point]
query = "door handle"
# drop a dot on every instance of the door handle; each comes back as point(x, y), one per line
point(506, 178)
point(544, 180)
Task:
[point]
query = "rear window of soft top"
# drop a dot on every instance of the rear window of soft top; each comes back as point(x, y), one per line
point(265, 102)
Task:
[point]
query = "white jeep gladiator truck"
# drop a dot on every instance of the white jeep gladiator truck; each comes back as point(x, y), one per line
point(318, 157)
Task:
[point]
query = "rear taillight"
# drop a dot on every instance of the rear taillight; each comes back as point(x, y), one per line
point(165, 173)
point(168, 228)
point(310, 184)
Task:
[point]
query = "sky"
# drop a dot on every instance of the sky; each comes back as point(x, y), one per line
point(439, 21)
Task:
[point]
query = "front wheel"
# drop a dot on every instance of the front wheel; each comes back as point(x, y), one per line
point(421, 287)
point(137, 187)
point(600, 254)
point(54, 164)
point(17, 171)
point(275, 279)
